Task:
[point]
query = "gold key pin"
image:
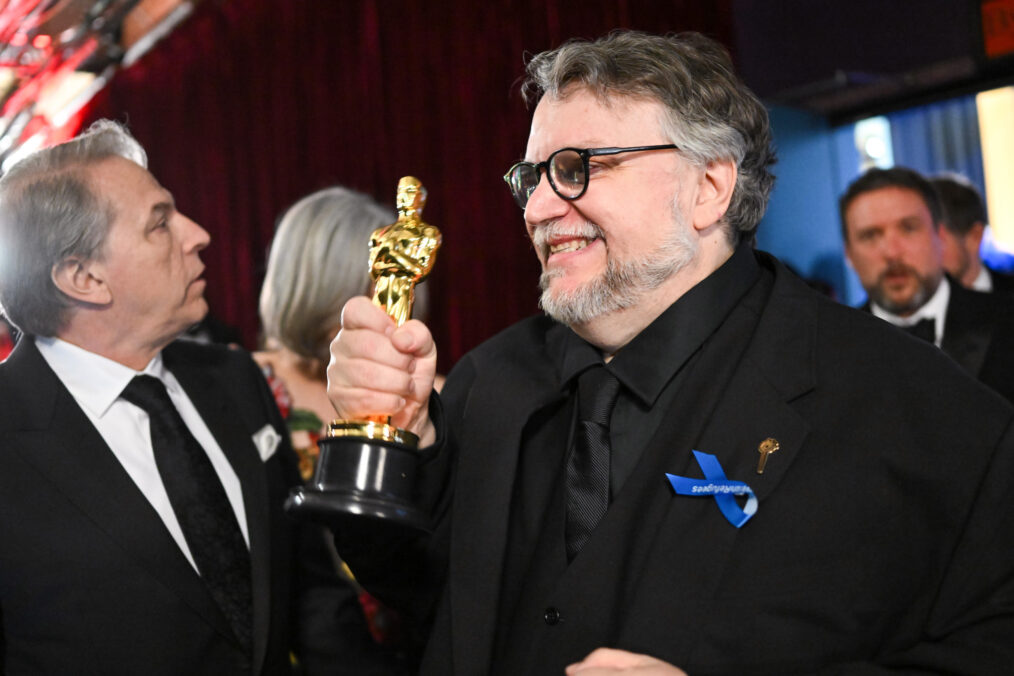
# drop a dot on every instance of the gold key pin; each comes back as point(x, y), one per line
point(766, 448)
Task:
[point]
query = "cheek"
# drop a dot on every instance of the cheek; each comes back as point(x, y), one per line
point(866, 264)
point(949, 255)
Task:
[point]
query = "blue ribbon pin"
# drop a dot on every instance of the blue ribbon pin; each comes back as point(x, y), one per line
point(715, 484)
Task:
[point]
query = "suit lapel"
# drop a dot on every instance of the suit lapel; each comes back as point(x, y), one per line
point(777, 369)
point(60, 441)
point(218, 411)
point(755, 390)
point(968, 330)
point(484, 489)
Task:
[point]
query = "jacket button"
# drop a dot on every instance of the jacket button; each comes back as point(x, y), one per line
point(551, 616)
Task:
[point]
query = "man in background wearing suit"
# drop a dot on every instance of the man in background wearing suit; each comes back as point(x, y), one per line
point(964, 221)
point(141, 479)
point(574, 526)
point(892, 224)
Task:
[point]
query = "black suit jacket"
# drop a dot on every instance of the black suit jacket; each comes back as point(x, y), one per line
point(882, 538)
point(979, 335)
point(1003, 282)
point(91, 582)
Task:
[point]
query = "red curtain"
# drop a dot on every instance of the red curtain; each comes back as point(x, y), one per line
point(250, 104)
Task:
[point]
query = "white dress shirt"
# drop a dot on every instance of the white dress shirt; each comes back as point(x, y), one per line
point(935, 308)
point(983, 281)
point(96, 382)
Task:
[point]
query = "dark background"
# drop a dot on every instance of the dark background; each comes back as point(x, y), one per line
point(249, 105)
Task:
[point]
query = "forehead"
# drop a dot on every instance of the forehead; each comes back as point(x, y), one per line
point(581, 119)
point(887, 205)
point(125, 184)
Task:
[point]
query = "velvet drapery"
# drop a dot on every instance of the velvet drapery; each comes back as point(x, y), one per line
point(249, 105)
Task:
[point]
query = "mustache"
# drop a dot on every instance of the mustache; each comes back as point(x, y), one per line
point(552, 230)
point(897, 269)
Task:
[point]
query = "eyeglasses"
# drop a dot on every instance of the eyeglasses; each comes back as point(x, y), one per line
point(567, 169)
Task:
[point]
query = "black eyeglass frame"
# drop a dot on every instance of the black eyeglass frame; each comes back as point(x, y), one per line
point(585, 154)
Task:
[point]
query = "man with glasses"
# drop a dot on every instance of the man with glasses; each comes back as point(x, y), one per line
point(693, 462)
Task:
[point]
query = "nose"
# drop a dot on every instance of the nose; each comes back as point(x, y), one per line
point(544, 204)
point(196, 238)
point(891, 245)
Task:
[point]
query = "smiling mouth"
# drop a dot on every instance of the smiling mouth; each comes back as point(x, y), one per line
point(569, 245)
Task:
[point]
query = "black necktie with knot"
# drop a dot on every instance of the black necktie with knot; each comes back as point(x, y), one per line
point(588, 462)
point(924, 328)
point(204, 513)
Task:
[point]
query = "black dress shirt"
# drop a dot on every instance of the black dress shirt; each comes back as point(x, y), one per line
point(649, 366)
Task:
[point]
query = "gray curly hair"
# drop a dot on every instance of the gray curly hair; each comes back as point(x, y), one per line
point(711, 114)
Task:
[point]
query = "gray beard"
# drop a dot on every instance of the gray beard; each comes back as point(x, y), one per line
point(623, 283)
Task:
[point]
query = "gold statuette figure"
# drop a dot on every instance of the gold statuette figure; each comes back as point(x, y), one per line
point(402, 254)
point(367, 468)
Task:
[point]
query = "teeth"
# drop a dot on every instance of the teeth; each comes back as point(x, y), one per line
point(569, 245)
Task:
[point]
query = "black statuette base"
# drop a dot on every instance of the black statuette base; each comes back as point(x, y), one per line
point(359, 479)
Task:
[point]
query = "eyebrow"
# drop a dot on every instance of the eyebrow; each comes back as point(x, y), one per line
point(160, 210)
point(165, 206)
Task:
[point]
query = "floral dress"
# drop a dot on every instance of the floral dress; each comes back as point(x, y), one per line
point(305, 430)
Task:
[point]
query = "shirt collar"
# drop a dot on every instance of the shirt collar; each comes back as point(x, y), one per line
point(983, 281)
point(648, 362)
point(95, 381)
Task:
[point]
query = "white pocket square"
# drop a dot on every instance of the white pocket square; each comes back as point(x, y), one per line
point(266, 440)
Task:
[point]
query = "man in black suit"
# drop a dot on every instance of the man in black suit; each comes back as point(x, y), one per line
point(964, 225)
point(892, 226)
point(141, 533)
point(581, 468)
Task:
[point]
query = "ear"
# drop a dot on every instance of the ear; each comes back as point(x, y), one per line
point(714, 193)
point(82, 280)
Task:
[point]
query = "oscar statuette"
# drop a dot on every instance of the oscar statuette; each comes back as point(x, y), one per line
point(366, 468)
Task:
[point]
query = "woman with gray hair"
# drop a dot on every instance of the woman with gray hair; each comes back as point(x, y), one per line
point(318, 260)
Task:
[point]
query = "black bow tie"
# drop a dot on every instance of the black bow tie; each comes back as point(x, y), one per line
point(924, 328)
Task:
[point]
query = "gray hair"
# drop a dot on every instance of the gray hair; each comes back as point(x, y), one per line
point(49, 212)
point(319, 259)
point(712, 116)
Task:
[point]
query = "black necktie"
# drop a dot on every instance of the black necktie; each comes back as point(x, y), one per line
point(924, 328)
point(588, 463)
point(201, 506)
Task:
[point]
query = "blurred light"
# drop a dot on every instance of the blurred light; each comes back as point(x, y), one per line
point(875, 147)
point(23, 150)
point(873, 142)
point(41, 41)
point(996, 137)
